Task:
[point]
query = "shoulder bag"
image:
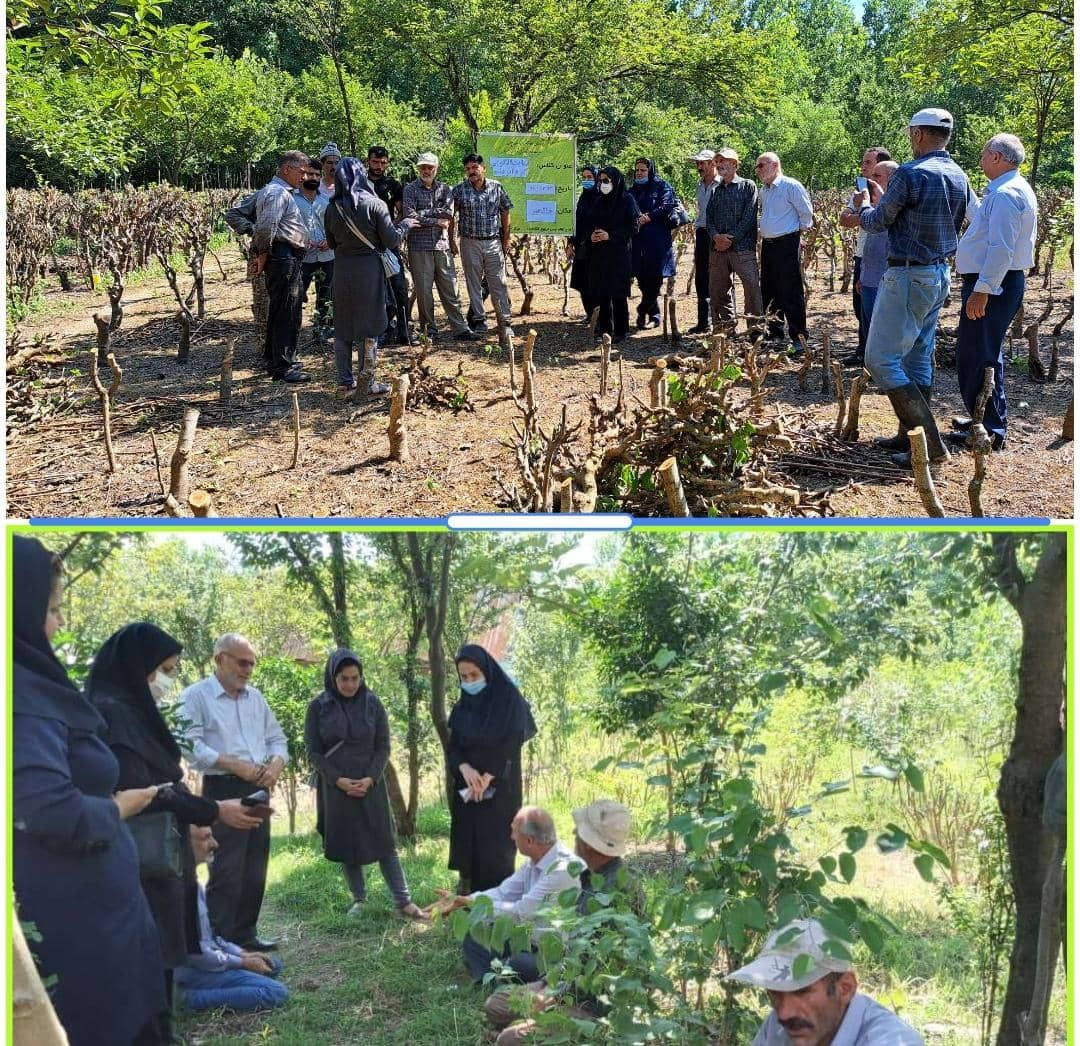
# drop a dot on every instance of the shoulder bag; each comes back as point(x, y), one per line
point(157, 839)
point(391, 265)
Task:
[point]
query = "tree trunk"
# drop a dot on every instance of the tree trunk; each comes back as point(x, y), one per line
point(1037, 742)
point(414, 693)
point(340, 621)
point(406, 824)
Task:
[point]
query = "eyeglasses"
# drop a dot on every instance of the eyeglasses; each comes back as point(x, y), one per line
point(604, 181)
point(243, 662)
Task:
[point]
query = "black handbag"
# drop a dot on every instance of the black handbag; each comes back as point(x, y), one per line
point(678, 216)
point(157, 839)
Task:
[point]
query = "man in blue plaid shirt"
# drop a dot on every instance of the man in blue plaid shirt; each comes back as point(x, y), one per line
point(922, 210)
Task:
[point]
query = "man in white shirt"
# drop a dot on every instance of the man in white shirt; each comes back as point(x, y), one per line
point(820, 1006)
point(991, 258)
point(707, 181)
point(239, 746)
point(537, 882)
point(786, 213)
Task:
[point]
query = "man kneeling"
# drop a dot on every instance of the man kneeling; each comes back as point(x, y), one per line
point(821, 1006)
point(600, 833)
point(520, 895)
point(223, 974)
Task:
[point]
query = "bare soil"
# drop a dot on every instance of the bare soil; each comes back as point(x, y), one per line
point(243, 449)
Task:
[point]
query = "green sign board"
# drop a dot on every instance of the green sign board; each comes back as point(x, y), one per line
point(539, 173)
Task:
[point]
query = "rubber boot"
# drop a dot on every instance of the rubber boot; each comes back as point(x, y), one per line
point(367, 375)
point(913, 411)
point(900, 442)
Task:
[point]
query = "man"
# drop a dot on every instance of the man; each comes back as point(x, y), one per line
point(708, 179)
point(821, 1006)
point(318, 263)
point(600, 833)
point(483, 222)
point(871, 158)
point(991, 258)
point(922, 209)
point(733, 227)
point(431, 259)
point(521, 894)
point(240, 748)
point(223, 974)
point(388, 189)
point(278, 246)
point(786, 213)
point(328, 161)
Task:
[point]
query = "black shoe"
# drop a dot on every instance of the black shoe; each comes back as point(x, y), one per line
point(468, 336)
point(640, 324)
point(256, 944)
point(700, 328)
point(294, 376)
point(962, 440)
point(960, 423)
point(854, 359)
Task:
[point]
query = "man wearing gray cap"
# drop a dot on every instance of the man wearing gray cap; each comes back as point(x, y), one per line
point(820, 1006)
point(328, 161)
point(431, 259)
point(922, 210)
point(707, 180)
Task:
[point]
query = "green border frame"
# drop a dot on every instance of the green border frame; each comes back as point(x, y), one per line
point(1070, 619)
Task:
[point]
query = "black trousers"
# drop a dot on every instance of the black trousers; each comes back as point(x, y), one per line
point(614, 318)
point(782, 286)
point(856, 304)
point(702, 249)
point(323, 274)
point(285, 293)
point(234, 894)
point(650, 282)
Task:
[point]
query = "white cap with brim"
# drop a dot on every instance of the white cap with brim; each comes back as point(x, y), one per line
point(604, 825)
point(428, 159)
point(773, 969)
point(940, 118)
point(705, 154)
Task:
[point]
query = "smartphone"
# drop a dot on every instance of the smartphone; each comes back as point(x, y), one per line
point(861, 184)
point(259, 798)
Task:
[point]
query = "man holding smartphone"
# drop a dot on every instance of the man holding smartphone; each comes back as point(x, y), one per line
point(871, 158)
point(239, 746)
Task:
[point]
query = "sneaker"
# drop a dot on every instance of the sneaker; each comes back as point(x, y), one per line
point(294, 376)
point(355, 911)
point(509, 331)
point(377, 388)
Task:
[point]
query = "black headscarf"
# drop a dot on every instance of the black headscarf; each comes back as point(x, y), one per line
point(335, 663)
point(350, 183)
point(589, 167)
point(648, 163)
point(42, 685)
point(118, 688)
point(497, 711)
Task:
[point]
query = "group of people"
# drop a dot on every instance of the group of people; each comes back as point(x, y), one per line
point(107, 839)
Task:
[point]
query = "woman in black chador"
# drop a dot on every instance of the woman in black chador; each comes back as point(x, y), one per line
point(347, 735)
point(488, 726)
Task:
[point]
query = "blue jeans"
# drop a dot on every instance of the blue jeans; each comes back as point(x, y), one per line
point(239, 990)
point(478, 960)
point(868, 296)
point(900, 342)
point(979, 345)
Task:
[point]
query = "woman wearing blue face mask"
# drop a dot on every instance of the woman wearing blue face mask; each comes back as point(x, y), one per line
point(488, 726)
point(578, 245)
point(654, 255)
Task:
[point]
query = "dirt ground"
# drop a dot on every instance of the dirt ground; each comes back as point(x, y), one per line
point(243, 449)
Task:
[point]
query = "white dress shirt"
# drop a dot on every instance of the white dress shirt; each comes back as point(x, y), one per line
point(241, 726)
point(785, 208)
point(866, 1023)
point(533, 884)
point(1001, 236)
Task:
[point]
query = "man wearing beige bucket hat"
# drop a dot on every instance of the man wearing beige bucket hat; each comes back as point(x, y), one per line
point(601, 830)
point(820, 1005)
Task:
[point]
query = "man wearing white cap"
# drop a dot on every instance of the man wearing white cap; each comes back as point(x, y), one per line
point(431, 259)
point(707, 180)
point(601, 830)
point(922, 210)
point(328, 161)
point(820, 1006)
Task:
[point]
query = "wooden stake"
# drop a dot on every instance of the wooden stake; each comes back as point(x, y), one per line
point(201, 504)
point(1067, 422)
point(605, 362)
point(399, 436)
point(826, 361)
point(295, 429)
point(225, 388)
point(178, 470)
point(673, 488)
point(851, 426)
point(658, 384)
point(105, 396)
point(673, 326)
point(841, 401)
point(920, 466)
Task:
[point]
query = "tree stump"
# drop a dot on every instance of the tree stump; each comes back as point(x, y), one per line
point(671, 484)
point(396, 431)
point(178, 470)
point(658, 384)
point(201, 504)
point(605, 362)
point(225, 386)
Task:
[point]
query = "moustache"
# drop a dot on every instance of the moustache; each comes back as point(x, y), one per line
point(796, 1024)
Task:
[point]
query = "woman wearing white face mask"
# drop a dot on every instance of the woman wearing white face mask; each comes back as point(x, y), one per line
point(134, 671)
point(614, 224)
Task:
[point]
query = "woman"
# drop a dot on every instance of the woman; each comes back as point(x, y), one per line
point(75, 863)
point(354, 215)
point(654, 255)
point(348, 742)
point(488, 726)
point(614, 222)
point(578, 245)
point(133, 672)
